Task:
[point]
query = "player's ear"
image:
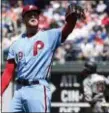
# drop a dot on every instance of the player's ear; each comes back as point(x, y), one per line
point(23, 20)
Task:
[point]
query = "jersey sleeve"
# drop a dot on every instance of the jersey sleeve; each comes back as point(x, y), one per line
point(55, 36)
point(11, 53)
point(87, 91)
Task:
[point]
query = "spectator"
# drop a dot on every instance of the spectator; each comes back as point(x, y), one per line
point(68, 48)
point(44, 23)
point(60, 55)
point(105, 22)
point(101, 7)
point(105, 52)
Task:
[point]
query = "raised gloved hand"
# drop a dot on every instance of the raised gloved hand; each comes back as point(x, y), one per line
point(74, 12)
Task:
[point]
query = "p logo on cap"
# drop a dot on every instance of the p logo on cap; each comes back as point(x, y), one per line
point(29, 8)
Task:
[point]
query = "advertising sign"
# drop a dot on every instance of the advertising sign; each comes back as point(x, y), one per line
point(67, 93)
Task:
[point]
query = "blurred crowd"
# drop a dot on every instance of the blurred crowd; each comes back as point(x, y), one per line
point(89, 39)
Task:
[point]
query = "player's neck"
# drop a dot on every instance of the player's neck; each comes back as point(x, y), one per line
point(31, 32)
point(29, 35)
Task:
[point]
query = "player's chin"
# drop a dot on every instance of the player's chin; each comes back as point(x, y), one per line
point(32, 25)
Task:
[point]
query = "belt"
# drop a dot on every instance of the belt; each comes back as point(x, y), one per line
point(26, 82)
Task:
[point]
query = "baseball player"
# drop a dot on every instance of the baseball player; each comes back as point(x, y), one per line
point(31, 55)
point(94, 87)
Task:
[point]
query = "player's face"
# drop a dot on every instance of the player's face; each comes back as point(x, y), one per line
point(31, 19)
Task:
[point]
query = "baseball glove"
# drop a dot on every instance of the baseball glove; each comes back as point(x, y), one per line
point(74, 11)
point(98, 97)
